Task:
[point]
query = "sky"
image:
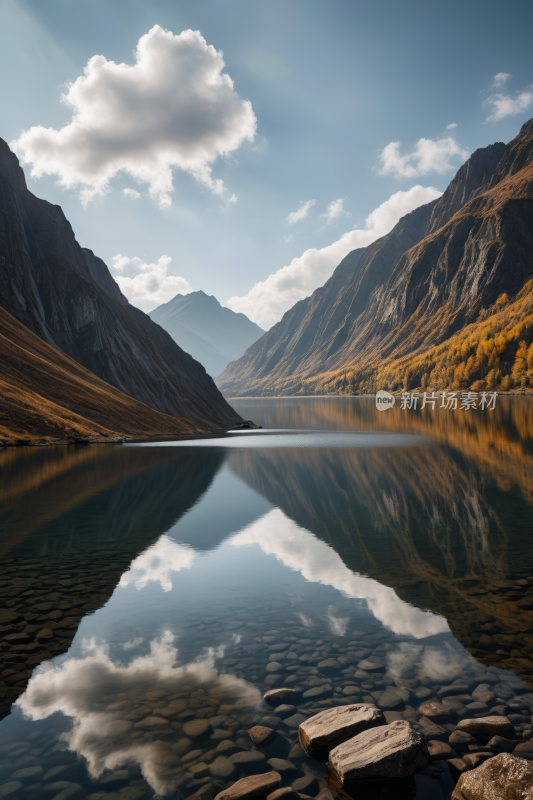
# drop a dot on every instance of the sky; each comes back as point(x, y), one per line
point(242, 147)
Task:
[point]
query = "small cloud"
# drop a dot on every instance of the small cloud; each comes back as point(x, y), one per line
point(503, 105)
point(134, 643)
point(337, 625)
point(452, 126)
point(335, 209)
point(303, 211)
point(131, 193)
point(500, 80)
point(152, 285)
point(287, 238)
point(429, 155)
point(306, 621)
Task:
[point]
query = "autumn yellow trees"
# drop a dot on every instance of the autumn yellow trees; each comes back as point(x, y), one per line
point(494, 353)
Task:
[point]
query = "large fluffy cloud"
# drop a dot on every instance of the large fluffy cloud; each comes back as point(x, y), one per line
point(429, 155)
point(148, 285)
point(268, 300)
point(174, 107)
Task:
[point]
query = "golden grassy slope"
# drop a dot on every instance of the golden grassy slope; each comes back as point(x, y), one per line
point(494, 353)
point(46, 395)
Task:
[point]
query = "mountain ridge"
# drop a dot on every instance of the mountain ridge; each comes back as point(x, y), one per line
point(429, 278)
point(66, 295)
point(212, 334)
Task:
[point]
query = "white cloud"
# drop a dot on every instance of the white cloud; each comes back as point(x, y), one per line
point(135, 642)
point(151, 285)
point(452, 126)
point(131, 193)
point(429, 155)
point(172, 108)
point(157, 564)
point(303, 211)
point(503, 105)
point(288, 238)
point(337, 625)
point(101, 734)
point(268, 300)
point(317, 562)
point(335, 209)
point(500, 79)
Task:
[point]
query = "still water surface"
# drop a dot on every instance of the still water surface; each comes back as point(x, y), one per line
point(153, 592)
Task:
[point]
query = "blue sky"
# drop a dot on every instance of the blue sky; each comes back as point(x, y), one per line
point(331, 87)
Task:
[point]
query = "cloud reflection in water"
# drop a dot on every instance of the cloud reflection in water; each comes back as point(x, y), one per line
point(317, 562)
point(105, 700)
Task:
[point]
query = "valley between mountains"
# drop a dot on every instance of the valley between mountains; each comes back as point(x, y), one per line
point(442, 302)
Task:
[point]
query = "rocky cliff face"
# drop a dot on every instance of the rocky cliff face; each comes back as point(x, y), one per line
point(413, 288)
point(66, 295)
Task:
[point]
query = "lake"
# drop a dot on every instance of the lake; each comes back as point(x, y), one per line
point(152, 593)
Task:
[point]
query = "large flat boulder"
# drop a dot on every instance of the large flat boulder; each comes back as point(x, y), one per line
point(489, 726)
point(504, 777)
point(391, 751)
point(321, 733)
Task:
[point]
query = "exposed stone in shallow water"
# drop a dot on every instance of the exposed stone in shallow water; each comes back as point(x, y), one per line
point(503, 777)
point(252, 786)
point(320, 734)
point(391, 751)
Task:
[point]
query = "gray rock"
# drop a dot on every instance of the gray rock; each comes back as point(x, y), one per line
point(433, 709)
point(197, 729)
point(524, 750)
point(390, 699)
point(223, 768)
point(28, 774)
point(371, 665)
point(489, 726)
point(9, 789)
point(294, 721)
point(423, 692)
point(284, 710)
point(483, 694)
point(392, 751)
point(251, 787)
point(461, 739)
point(296, 751)
point(227, 748)
point(329, 663)
point(307, 785)
point(317, 692)
point(498, 744)
point(440, 750)
point(286, 769)
point(262, 736)
point(473, 760)
point(285, 793)
point(457, 687)
point(321, 733)
point(249, 762)
point(274, 666)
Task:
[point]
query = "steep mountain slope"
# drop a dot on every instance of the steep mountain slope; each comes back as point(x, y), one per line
point(66, 295)
point(414, 288)
point(46, 395)
point(212, 334)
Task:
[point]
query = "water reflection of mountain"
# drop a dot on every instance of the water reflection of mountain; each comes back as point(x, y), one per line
point(74, 519)
point(440, 527)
